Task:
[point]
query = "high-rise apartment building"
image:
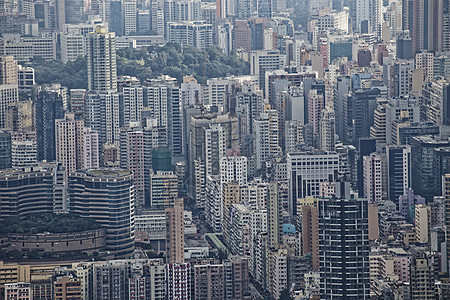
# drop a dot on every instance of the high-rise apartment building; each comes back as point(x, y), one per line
point(175, 232)
point(8, 69)
point(102, 114)
point(90, 152)
point(310, 234)
point(132, 104)
point(9, 93)
point(446, 194)
point(436, 101)
point(179, 281)
point(23, 153)
point(108, 197)
point(190, 33)
point(101, 60)
point(425, 61)
point(69, 142)
point(327, 132)
point(315, 104)
point(373, 178)
point(274, 216)
point(163, 189)
point(265, 132)
point(209, 281)
point(136, 145)
point(67, 287)
point(233, 169)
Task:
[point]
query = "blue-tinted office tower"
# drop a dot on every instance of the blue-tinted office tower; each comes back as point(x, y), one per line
point(5, 149)
point(49, 107)
point(116, 19)
point(398, 171)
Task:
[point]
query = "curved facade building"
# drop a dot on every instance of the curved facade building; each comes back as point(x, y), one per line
point(108, 197)
point(39, 189)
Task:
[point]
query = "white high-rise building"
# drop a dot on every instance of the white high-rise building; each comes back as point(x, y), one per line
point(327, 130)
point(373, 178)
point(69, 142)
point(225, 37)
point(133, 103)
point(190, 33)
point(102, 115)
point(101, 60)
point(191, 92)
point(254, 194)
point(262, 61)
point(265, 132)
point(233, 169)
point(306, 171)
point(130, 16)
point(23, 153)
point(369, 16)
point(182, 10)
point(216, 90)
point(90, 149)
point(72, 47)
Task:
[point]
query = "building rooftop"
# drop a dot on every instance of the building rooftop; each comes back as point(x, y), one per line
point(107, 172)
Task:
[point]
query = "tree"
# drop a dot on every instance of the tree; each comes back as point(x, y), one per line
point(285, 295)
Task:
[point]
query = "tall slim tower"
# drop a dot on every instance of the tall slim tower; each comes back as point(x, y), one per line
point(49, 107)
point(398, 171)
point(8, 69)
point(175, 232)
point(101, 60)
point(274, 218)
point(69, 142)
point(344, 247)
point(446, 191)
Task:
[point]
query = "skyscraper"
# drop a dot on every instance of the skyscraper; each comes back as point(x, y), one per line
point(101, 60)
point(9, 93)
point(8, 69)
point(108, 197)
point(306, 171)
point(49, 107)
point(175, 232)
point(214, 148)
point(344, 247)
point(69, 142)
point(398, 171)
point(274, 217)
point(5, 150)
point(102, 115)
point(130, 14)
point(373, 178)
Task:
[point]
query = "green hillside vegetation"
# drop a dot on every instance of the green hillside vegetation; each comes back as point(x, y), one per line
point(171, 59)
point(53, 223)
